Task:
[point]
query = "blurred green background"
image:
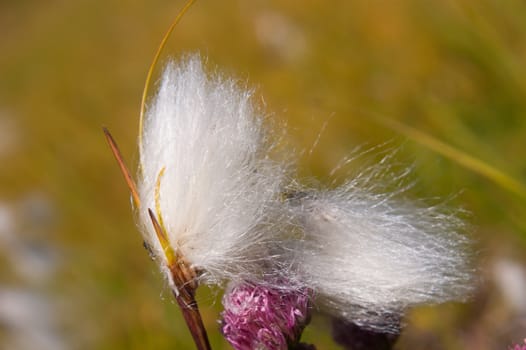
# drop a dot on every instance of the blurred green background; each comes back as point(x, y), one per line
point(74, 274)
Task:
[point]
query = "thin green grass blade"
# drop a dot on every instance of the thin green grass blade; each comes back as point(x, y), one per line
point(467, 161)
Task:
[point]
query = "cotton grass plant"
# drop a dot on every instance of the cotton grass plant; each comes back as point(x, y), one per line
point(214, 208)
point(369, 254)
point(207, 194)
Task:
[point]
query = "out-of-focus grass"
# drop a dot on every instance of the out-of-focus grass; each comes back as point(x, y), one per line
point(453, 70)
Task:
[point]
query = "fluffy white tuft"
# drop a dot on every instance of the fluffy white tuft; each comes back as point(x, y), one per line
point(369, 256)
point(220, 192)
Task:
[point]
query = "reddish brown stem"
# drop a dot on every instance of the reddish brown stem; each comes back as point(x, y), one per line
point(122, 165)
point(183, 275)
point(184, 279)
point(193, 319)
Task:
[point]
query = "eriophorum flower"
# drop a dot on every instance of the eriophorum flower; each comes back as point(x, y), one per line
point(205, 172)
point(264, 318)
point(369, 254)
point(518, 346)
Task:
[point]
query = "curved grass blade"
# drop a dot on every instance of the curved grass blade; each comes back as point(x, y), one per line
point(154, 63)
point(467, 161)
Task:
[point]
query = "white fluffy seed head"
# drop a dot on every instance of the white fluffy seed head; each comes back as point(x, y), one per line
point(369, 256)
point(205, 170)
point(218, 193)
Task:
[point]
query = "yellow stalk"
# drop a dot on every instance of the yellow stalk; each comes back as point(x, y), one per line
point(154, 63)
point(467, 161)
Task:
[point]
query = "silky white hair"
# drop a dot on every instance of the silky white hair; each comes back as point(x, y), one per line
point(368, 254)
point(219, 193)
point(205, 171)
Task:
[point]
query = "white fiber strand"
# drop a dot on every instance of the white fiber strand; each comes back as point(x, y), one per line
point(219, 190)
point(369, 256)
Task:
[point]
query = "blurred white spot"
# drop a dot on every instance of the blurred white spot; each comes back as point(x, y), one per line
point(28, 320)
point(32, 259)
point(510, 278)
point(33, 262)
point(37, 210)
point(279, 35)
point(7, 223)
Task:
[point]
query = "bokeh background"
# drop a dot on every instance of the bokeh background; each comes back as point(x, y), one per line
point(73, 272)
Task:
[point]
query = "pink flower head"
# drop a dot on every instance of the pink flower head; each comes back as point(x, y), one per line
point(519, 346)
point(260, 317)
